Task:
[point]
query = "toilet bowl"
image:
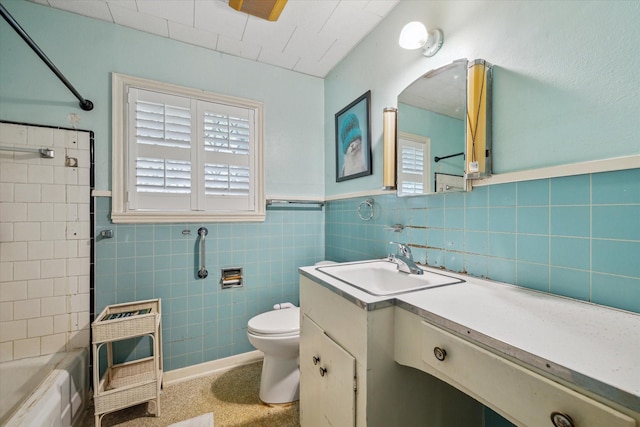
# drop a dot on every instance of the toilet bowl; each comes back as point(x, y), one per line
point(277, 334)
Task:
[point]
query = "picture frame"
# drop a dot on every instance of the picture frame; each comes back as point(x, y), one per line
point(353, 139)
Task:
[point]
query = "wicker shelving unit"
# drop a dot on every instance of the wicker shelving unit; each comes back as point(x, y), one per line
point(130, 383)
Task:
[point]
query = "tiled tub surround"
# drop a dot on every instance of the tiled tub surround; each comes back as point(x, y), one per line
point(44, 242)
point(576, 236)
point(200, 321)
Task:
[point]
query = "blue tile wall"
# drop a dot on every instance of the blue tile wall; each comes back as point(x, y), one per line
point(576, 236)
point(200, 321)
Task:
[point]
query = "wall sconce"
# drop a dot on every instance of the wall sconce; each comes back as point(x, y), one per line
point(478, 159)
point(389, 140)
point(415, 35)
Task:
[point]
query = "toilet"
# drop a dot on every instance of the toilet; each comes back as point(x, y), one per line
point(277, 334)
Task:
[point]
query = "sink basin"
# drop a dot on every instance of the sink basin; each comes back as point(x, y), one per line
point(381, 277)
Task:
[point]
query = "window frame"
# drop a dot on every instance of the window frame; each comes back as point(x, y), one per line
point(120, 213)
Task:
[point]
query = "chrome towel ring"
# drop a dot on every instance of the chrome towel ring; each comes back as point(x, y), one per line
point(365, 210)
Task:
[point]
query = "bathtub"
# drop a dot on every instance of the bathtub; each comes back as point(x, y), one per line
point(44, 391)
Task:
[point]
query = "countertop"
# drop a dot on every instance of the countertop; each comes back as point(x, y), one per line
point(591, 346)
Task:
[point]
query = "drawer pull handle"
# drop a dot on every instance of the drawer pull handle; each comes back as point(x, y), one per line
point(561, 420)
point(323, 371)
point(440, 353)
point(316, 359)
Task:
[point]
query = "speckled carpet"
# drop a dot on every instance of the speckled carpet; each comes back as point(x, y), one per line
point(232, 397)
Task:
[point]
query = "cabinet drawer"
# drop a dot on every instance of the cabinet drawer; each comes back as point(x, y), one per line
point(526, 398)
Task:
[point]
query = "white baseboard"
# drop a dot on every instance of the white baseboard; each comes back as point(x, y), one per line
point(208, 368)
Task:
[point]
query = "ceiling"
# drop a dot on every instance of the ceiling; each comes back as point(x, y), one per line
point(310, 37)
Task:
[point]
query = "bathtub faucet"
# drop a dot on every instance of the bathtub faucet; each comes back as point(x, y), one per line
point(404, 260)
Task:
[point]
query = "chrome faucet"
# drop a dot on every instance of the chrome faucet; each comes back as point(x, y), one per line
point(404, 260)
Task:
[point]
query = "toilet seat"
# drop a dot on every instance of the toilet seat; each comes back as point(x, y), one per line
point(283, 322)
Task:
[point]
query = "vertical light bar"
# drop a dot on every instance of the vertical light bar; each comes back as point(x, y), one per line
point(389, 143)
point(478, 135)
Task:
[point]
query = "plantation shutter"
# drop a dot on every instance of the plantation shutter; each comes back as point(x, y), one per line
point(161, 157)
point(229, 159)
point(411, 176)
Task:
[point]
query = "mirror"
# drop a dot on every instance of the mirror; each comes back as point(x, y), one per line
point(435, 133)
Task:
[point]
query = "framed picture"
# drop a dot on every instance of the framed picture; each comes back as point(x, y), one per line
point(353, 139)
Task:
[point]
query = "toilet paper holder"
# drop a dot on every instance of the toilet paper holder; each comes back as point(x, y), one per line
point(231, 277)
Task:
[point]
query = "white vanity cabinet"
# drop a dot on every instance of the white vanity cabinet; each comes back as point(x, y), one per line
point(521, 395)
point(352, 337)
point(328, 372)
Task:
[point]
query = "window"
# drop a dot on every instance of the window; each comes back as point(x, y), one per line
point(413, 172)
point(184, 155)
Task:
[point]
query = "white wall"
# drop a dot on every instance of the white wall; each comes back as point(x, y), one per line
point(565, 82)
point(44, 243)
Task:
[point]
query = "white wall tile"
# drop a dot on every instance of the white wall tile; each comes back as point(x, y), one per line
point(53, 230)
point(13, 212)
point(13, 134)
point(39, 212)
point(53, 306)
point(6, 192)
point(6, 311)
point(6, 232)
point(40, 199)
point(6, 271)
point(26, 348)
point(53, 193)
point(40, 288)
point(39, 136)
point(39, 327)
point(6, 351)
point(42, 249)
point(26, 270)
point(64, 285)
point(77, 266)
point(61, 212)
point(26, 231)
point(26, 309)
point(61, 323)
point(14, 251)
point(53, 268)
point(13, 291)
point(14, 330)
point(40, 174)
point(79, 302)
point(84, 248)
point(84, 284)
point(84, 320)
point(28, 193)
point(53, 343)
point(12, 172)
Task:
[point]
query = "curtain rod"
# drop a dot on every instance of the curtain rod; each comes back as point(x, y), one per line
point(85, 104)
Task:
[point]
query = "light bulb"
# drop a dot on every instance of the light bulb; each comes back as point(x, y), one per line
point(413, 35)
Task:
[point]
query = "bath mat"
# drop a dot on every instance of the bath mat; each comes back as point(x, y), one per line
point(204, 420)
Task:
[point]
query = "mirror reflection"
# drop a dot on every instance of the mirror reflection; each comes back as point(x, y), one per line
point(431, 132)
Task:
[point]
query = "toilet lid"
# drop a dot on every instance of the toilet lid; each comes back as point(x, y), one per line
point(285, 320)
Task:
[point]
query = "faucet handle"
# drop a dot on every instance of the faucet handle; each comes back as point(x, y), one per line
point(403, 249)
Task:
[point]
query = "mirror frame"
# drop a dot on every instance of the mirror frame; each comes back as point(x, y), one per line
point(476, 139)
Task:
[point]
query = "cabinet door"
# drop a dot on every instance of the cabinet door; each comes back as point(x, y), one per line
point(327, 378)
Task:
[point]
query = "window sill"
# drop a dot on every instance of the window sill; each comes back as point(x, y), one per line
point(183, 217)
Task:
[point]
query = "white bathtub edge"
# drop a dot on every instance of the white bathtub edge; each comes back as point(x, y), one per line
point(45, 402)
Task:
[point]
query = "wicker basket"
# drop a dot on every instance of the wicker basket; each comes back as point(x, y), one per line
point(126, 327)
point(127, 385)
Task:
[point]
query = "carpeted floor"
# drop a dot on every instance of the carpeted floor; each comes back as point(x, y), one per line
point(232, 396)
